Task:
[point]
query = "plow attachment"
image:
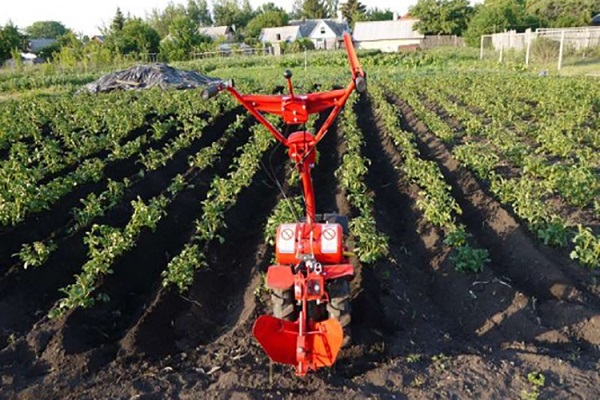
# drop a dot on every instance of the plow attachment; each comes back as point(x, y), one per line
point(284, 342)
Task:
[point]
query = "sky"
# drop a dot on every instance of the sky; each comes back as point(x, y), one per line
point(87, 17)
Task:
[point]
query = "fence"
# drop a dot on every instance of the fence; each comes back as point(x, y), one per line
point(429, 42)
point(567, 46)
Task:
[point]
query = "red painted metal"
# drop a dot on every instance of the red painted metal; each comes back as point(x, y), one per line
point(305, 343)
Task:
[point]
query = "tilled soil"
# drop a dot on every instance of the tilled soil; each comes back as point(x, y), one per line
point(420, 329)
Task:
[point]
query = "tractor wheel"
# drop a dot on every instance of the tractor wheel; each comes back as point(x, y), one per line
point(339, 306)
point(283, 304)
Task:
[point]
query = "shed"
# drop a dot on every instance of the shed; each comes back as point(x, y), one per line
point(218, 32)
point(387, 36)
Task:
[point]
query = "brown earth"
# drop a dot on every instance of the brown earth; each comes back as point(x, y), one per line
point(420, 329)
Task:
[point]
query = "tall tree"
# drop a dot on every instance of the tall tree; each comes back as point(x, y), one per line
point(331, 8)
point(313, 9)
point(564, 13)
point(267, 19)
point(496, 16)
point(118, 21)
point(352, 11)
point(45, 30)
point(377, 14)
point(162, 20)
point(183, 39)
point(10, 39)
point(198, 11)
point(445, 17)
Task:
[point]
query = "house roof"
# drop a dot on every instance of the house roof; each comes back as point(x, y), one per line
point(382, 30)
point(215, 31)
point(286, 33)
point(596, 20)
point(308, 26)
point(36, 45)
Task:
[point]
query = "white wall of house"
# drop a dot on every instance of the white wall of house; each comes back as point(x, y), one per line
point(323, 37)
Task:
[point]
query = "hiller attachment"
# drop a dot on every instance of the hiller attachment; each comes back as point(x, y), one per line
point(307, 330)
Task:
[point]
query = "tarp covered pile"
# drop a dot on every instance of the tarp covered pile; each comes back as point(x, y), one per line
point(148, 76)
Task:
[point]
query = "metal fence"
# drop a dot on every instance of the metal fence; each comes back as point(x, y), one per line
point(565, 46)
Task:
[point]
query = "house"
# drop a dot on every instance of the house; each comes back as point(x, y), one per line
point(279, 34)
point(35, 45)
point(225, 32)
point(98, 39)
point(387, 36)
point(324, 33)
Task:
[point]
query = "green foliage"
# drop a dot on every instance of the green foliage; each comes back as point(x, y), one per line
point(36, 253)
point(377, 14)
point(564, 13)
point(286, 211)
point(46, 30)
point(352, 11)
point(268, 19)
point(313, 9)
point(134, 37)
point(299, 45)
point(496, 16)
point(198, 11)
point(536, 381)
point(183, 39)
point(10, 39)
point(232, 13)
point(442, 17)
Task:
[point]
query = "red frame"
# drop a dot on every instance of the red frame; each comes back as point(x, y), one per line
point(295, 109)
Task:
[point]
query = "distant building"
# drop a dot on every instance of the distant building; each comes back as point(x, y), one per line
point(324, 33)
point(224, 32)
point(280, 34)
point(387, 36)
point(98, 39)
point(35, 45)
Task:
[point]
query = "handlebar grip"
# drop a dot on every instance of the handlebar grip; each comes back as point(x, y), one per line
point(361, 84)
point(210, 91)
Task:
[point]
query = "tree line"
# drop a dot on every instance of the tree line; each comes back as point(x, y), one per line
point(173, 33)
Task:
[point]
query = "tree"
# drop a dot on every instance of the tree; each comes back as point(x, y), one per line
point(313, 9)
point(331, 8)
point(352, 11)
point(445, 17)
point(267, 19)
point(496, 16)
point(183, 39)
point(46, 30)
point(162, 20)
point(10, 39)
point(118, 21)
point(376, 14)
point(563, 13)
point(198, 11)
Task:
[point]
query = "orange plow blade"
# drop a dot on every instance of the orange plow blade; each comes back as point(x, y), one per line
point(280, 340)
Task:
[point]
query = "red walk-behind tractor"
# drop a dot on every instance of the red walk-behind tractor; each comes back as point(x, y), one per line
point(310, 283)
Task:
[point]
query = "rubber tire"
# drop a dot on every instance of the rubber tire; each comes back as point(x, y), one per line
point(283, 304)
point(339, 306)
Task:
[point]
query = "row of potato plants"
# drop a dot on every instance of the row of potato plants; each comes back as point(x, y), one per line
point(106, 243)
point(523, 194)
point(371, 245)
point(576, 181)
point(436, 201)
point(221, 196)
point(94, 206)
point(21, 195)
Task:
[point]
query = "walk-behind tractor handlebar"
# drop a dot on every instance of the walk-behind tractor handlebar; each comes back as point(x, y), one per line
point(307, 329)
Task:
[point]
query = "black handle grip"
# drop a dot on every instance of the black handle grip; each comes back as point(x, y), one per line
point(361, 84)
point(210, 91)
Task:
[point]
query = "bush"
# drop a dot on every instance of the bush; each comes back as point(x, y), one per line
point(544, 50)
point(299, 45)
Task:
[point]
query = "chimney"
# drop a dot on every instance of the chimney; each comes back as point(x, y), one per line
point(395, 17)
